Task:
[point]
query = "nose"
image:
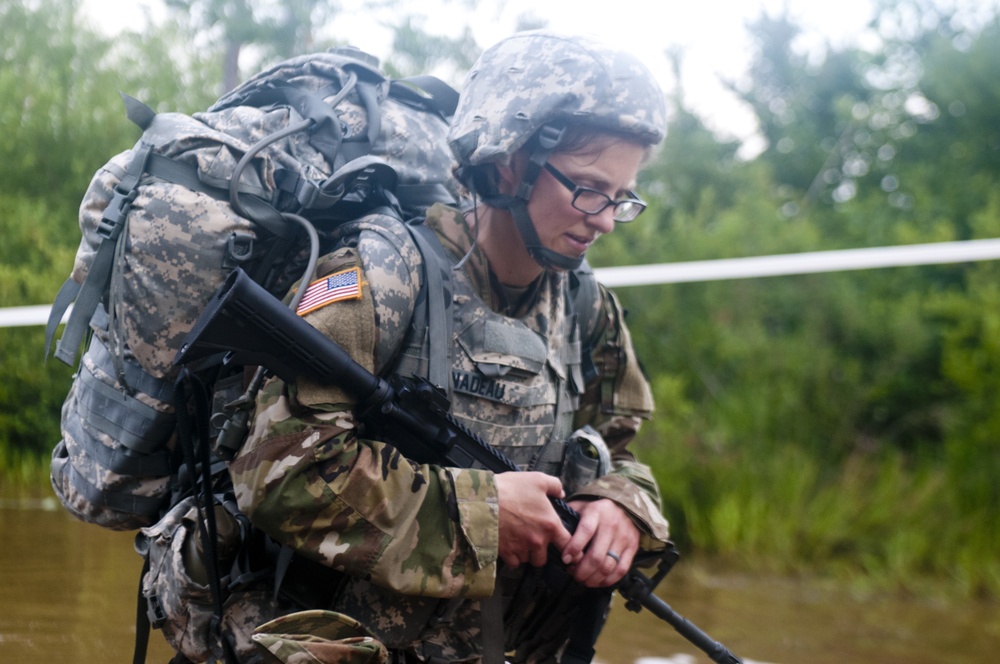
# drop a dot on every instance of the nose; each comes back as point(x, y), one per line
point(603, 221)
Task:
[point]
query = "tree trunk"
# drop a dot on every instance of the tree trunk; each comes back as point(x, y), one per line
point(231, 66)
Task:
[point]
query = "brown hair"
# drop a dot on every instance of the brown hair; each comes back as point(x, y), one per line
point(484, 181)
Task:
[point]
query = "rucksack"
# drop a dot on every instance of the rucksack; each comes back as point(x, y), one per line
point(258, 181)
point(291, 159)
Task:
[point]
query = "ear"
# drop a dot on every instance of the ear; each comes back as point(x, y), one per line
point(509, 177)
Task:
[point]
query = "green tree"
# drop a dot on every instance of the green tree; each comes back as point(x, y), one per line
point(803, 108)
point(278, 28)
point(415, 51)
point(63, 118)
point(841, 420)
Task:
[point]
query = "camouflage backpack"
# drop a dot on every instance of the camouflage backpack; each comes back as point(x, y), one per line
point(258, 181)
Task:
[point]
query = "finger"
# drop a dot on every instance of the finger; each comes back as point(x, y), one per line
point(573, 551)
point(510, 560)
point(554, 487)
point(596, 564)
point(539, 557)
point(614, 567)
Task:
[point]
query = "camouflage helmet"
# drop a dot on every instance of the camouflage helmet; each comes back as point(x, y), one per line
point(539, 78)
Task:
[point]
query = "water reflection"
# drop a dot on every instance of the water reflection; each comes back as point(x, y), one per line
point(69, 589)
point(69, 594)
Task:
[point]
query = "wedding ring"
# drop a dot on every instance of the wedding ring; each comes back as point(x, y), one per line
point(614, 556)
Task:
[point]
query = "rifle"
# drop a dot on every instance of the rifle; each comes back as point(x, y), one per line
point(253, 327)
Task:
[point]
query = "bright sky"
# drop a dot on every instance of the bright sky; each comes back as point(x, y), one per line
point(711, 32)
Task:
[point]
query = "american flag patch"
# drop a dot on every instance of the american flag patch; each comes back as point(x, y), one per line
point(344, 285)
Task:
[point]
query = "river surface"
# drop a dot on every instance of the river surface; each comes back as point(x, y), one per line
point(68, 589)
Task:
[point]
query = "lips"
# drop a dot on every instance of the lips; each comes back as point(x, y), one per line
point(580, 242)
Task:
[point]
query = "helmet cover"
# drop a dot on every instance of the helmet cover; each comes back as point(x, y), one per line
point(536, 78)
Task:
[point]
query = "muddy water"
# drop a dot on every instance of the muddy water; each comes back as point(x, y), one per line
point(67, 595)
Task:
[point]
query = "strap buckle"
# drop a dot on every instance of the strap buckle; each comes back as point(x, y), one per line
point(113, 217)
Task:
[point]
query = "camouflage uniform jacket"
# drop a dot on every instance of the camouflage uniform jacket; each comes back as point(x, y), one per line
point(407, 535)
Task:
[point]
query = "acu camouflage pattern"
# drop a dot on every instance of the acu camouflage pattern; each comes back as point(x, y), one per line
point(408, 534)
point(537, 78)
point(185, 608)
point(516, 377)
point(112, 465)
point(409, 138)
point(175, 250)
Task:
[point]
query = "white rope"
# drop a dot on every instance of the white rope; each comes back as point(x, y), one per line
point(24, 316)
point(804, 263)
point(715, 270)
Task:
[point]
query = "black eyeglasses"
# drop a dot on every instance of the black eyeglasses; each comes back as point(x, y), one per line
point(591, 201)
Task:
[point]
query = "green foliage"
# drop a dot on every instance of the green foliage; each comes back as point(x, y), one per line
point(803, 108)
point(63, 118)
point(415, 51)
point(50, 99)
point(59, 84)
point(841, 422)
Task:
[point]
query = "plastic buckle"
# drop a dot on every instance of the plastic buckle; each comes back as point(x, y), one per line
point(154, 610)
point(113, 217)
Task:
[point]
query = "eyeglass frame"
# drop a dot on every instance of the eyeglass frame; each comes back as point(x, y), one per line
point(576, 190)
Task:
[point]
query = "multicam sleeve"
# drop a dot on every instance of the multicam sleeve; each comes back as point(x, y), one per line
point(307, 478)
point(616, 400)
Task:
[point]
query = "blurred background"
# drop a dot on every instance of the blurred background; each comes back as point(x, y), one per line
point(838, 430)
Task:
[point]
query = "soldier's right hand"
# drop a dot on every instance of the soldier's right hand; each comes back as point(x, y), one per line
point(528, 522)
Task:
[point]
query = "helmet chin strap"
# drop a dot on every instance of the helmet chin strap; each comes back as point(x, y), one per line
point(549, 137)
point(542, 255)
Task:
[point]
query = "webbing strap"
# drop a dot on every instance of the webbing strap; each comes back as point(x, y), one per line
point(118, 461)
point(136, 425)
point(186, 175)
point(437, 95)
point(137, 378)
point(491, 615)
point(67, 293)
point(99, 274)
point(583, 293)
point(437, 274)
point(193, 440)
point(423, 195)
point(142, 624)
point(326, 132)
point(123, 501)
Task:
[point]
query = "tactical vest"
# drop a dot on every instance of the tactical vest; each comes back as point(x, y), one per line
point(516, 383)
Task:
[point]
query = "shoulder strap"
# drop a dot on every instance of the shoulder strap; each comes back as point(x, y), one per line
point(583, 292)
point(437, 295)
point(431, 92)
point(89, 295)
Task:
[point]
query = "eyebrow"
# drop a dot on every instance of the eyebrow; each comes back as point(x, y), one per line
point(589, 181)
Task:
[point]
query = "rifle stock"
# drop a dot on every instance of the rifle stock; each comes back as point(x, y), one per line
point(254, 327)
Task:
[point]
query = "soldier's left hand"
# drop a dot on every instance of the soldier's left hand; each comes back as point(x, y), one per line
point(604, 544)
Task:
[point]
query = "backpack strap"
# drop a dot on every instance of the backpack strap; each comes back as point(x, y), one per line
point(431, 92)
point(431, 317)
point(437, 293)
point(583, 292)
point(89, 294)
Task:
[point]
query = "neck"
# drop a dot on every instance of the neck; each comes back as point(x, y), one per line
point(500, 241)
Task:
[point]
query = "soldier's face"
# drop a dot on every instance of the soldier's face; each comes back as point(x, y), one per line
point(610, 167)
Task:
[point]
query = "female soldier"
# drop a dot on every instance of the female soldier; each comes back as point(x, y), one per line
point(549, 135)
